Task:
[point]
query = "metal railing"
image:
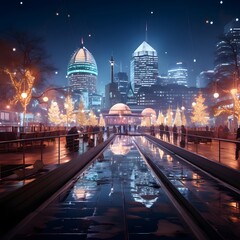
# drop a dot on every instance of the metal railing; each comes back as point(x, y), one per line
point(50, 150)
point(217, 149)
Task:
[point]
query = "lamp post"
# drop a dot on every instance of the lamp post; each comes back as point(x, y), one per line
point(24, 97)
point(234, 96)
point(45, 100)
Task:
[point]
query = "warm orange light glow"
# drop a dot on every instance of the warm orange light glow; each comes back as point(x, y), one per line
point(45, 99)
point(24, 95)
point(233, 91)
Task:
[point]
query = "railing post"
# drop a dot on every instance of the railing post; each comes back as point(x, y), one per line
point(24, 172)
point(219, 151)
point(59, 150)
point(42, 145)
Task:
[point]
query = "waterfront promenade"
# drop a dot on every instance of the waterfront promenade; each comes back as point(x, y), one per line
point(54, 153)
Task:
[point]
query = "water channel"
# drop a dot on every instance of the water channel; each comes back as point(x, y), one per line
point(119, 197)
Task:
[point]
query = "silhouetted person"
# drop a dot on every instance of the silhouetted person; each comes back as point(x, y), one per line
point(161, 130)
point(183, 136)
point(167, 132)
point(175, 134)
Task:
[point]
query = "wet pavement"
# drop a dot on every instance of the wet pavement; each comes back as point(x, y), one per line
point(119, 198)
point(215, 202)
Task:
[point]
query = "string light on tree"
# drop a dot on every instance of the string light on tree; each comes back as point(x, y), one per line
point(23, 82)
point(54, 113)
point(199, 114)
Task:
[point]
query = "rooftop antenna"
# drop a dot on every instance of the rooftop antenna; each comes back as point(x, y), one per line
point(82, 42)
point(112, 66)
point(146, 33)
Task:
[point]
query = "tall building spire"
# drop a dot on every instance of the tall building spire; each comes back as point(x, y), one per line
point(146, 33)
point(81, 42)
point(112, 66)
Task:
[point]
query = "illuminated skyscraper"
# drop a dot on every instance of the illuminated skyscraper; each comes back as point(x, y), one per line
point(82, 71)
point(144, 66)
point(178, 75)
point(227, 54)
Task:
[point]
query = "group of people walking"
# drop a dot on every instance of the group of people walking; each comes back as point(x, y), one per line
point(164, 132)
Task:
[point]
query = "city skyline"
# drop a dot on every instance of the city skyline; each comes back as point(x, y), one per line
point(185, 31)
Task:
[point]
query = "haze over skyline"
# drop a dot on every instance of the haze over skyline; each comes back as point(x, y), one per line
point(178, 30)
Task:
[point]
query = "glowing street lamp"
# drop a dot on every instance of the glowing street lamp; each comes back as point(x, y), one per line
point(216, 95)
point(45, 100)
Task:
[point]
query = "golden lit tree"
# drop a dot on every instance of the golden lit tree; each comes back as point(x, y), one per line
point(23, 82)
point(92, 119)
point(54, 113)
point(160, 118)
point(178, 119)
point(69, 115)
point(230, 106)
point(169, 117)
point(200, 115)
point(81, 115)
point(101, 122)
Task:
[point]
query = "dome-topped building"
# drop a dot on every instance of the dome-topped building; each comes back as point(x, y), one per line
point(82, 71)
point(120, 109)
point(121, 114)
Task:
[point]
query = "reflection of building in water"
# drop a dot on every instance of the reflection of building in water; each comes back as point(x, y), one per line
point(122, 145)
point(84, 189)
point(142, 187)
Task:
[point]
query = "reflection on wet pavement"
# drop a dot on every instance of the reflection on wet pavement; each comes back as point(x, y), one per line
point(215, 202)
point(115, 198)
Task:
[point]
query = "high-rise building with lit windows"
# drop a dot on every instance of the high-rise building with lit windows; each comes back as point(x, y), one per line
point(227, 54)
point(82, 71)
point(178, 75)
point(143, 66)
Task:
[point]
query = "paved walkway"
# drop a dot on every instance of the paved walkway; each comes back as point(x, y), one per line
point(223, 153)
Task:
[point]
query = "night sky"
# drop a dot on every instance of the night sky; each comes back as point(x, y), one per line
point(177, 29)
